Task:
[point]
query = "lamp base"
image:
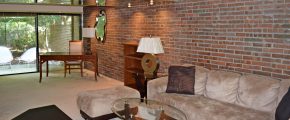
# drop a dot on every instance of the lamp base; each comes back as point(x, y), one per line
point(150, 65)
point(87, 45)
point(88, 52)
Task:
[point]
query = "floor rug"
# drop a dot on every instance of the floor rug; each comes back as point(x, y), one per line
point(51, 112)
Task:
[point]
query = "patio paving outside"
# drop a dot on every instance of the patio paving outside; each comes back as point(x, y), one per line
point(25, 68)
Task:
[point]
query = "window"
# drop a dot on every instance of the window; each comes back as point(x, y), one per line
point(56, 30)
point(20, 42)
point(17, 1)
point(66, 2)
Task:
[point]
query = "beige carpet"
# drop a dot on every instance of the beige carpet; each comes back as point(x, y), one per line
point(19, 93)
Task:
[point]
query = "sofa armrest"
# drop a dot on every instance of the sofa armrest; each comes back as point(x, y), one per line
point(156, 86)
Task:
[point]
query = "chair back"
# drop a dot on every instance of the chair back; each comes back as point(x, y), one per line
point(5, 55)
point(76, 46)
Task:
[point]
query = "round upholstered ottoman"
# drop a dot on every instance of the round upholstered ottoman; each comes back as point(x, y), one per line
point(96, 104)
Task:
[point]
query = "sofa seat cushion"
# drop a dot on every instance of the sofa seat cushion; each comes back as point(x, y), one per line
point(198, 107)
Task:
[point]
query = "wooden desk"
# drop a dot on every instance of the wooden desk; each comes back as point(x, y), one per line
point(66, 56)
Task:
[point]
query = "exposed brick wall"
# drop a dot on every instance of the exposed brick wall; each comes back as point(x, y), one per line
point(247, 36)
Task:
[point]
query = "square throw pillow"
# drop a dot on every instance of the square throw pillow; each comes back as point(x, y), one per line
point(283, 109)
point(181, 79)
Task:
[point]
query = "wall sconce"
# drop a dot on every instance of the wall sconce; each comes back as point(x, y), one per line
point(151, 2)
point(129, 5)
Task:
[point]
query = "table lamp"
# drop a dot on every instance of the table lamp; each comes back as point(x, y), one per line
point(88, 33)
point(150, 63)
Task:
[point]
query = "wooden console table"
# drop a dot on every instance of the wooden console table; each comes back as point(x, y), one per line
point(66, 56)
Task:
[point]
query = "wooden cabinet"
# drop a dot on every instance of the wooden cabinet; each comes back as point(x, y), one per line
point(132, 64)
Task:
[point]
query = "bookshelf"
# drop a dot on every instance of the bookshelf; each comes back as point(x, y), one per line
point(132, 63)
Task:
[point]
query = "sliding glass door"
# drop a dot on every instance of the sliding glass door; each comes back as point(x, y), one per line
point(55, 32)
point(17, 43)
point(20, 45)
point(67, 2)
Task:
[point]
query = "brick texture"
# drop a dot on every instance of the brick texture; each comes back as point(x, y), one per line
point(247, 36)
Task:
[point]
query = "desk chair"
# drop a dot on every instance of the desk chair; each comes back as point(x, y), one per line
point(77, 47)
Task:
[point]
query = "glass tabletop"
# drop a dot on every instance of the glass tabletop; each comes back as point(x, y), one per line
point(144, 109)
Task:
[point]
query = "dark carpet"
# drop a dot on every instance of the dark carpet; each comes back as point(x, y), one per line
point(51, 112)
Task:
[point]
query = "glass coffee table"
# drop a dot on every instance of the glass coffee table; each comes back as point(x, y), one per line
point(144, 109)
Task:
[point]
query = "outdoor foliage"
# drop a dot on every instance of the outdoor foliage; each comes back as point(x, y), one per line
point(17, 1)
point(18, 33)
point(41, 1)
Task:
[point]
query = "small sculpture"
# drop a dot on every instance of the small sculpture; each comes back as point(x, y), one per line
point(100, 26)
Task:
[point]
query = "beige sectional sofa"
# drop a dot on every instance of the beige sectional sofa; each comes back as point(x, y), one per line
point(223, 95)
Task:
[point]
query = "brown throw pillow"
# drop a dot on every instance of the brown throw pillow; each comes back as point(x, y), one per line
point(181, 79)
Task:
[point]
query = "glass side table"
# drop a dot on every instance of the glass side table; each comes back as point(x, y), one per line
point(144, 109)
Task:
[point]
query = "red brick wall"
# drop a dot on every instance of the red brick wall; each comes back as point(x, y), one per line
point(247, 36)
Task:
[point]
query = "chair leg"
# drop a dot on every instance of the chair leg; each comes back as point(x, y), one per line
point(68, 67)
point(81, 70)
point(65, 69)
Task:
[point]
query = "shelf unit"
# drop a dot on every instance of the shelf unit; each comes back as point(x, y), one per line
point(132, 63)
point(96, 6)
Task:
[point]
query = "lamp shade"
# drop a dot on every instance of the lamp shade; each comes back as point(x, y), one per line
point(150, 45)
point(89, 32)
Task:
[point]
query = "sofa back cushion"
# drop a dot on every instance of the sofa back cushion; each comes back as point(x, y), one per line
point(222, 85)
point(284, 85)
point(258, 92)
point(200, 80)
